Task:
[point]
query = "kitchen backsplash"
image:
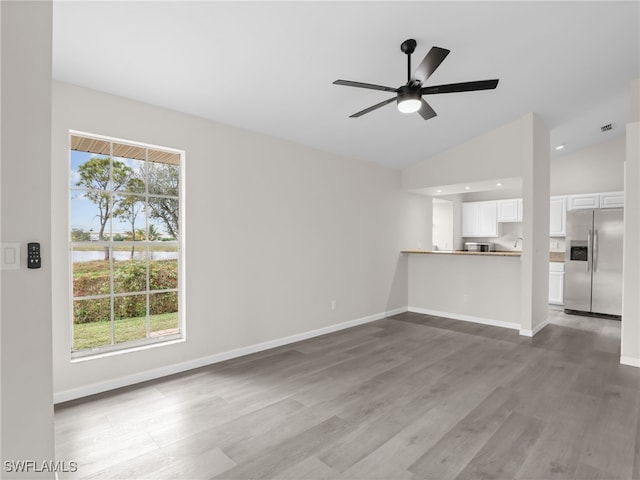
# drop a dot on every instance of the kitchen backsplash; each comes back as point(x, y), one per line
point(509, 233)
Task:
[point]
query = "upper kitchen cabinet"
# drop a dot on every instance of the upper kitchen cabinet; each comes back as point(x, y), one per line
point(612, 200)
point(479, 219)
point(584, 201)
point(557, 216)
point(596, 200)
point(510, 210)
point(470, 219)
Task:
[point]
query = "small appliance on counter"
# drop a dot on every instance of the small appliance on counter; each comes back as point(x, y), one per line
point(478, 247)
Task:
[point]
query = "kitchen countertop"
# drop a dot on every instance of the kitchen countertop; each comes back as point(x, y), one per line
point(553, 256)
point(462, 252)
point(556, 257)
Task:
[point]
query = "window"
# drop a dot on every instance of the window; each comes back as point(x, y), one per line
point(125, 244)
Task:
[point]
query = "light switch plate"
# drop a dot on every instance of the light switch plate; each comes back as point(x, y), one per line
point(10, 256)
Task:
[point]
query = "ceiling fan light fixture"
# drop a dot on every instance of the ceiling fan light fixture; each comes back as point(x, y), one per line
point(409, 102)
point(409, 105)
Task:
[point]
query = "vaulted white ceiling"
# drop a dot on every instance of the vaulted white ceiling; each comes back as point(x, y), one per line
point(269, 66)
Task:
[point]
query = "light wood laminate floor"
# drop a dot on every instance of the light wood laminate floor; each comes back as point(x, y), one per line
point(407, 397)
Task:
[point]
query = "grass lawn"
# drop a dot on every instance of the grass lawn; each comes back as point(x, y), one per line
point(95, 334)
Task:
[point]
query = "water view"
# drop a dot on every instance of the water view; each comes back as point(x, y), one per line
point(92, 255)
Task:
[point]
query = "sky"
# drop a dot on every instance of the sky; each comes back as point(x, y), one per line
point(84, 213)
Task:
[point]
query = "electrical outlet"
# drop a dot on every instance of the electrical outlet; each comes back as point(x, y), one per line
point(333, 304)
point(465, 298)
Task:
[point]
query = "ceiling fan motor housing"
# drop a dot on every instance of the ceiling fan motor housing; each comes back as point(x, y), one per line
point(410, 90)
point(408, 46)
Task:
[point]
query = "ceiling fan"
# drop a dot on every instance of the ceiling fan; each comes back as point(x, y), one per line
point(409, 95)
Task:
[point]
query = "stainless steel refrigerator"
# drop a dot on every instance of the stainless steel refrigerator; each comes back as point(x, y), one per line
point(593, 262)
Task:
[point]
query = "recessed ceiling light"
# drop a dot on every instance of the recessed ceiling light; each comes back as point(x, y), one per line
point(467, 188)
point(560, 147)
point(498, 184)
point(438, 191)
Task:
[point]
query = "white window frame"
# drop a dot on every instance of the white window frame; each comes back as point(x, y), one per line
point(124, 347)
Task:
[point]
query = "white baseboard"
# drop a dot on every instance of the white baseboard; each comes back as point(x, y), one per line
point(530, 333)
point(631, 361)
point(101, 387)
point(466, 318)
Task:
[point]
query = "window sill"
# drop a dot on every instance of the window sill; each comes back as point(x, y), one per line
point(86, 355)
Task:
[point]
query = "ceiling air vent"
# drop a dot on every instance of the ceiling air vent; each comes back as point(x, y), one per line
point(607, 127)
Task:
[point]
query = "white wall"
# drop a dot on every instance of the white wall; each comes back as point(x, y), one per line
point(535, 225)
point(25, 330)
point(457, 286)
point(498, 194)
point(443, 225)
point(598, 168)
point(508, 234)
point(630, 349)
point(494, 154)
point(517, 149)
point(274, 232)
point(634, 115)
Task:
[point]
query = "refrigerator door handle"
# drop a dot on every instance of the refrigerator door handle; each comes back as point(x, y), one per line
point(589, 250)
point(595, 250)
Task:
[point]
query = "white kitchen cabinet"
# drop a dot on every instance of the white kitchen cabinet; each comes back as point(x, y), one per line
point(510, 210)
point(612, 200)
point(584, 201)
point(556, 283)
point(557, 216)
point(479, 219)
point(596, 200)
point(470, 219)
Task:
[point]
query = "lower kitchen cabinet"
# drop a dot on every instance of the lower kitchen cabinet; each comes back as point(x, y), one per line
point(556, 283)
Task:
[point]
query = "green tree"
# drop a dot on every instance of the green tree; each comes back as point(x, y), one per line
point(153, 234)
point(164, 179)
point(98, 176)
point(79, 235)
point(129, 207)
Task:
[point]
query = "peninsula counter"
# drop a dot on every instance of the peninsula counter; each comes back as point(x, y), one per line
point(481, 287)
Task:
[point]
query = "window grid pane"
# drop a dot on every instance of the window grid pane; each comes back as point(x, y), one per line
point(125, 260)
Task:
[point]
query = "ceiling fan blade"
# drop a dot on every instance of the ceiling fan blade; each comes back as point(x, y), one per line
point(371, 86)
point(371, 109)
point(426, 111)
point(430, 62)
point(460, 87)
